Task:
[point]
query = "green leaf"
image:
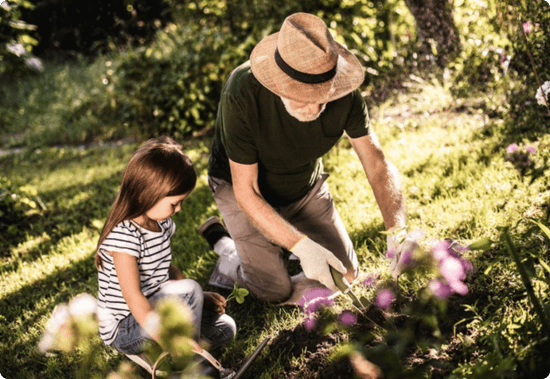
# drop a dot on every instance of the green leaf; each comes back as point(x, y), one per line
point(364, 301)
point(482, 244)
point(545, 265)
point(542, 227)
point(240, 295)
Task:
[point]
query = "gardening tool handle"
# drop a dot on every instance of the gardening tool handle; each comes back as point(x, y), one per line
point(340, 281)
point(198, 350)
point(252, 358)
point(154, 373)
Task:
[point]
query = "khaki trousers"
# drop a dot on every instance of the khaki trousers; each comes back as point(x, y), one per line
point(263, 270)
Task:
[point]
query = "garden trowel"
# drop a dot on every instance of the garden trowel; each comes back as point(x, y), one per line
point(344, 286)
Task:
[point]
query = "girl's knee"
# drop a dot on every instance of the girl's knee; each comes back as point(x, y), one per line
point(229, 326)
point(221, 332)
point(182, 287)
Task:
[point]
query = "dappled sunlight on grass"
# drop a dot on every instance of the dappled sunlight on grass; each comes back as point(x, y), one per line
point(67, 252)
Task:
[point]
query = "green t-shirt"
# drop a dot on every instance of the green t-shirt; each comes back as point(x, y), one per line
point(253, 126)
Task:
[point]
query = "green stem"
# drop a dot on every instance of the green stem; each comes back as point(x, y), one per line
point(527, 282)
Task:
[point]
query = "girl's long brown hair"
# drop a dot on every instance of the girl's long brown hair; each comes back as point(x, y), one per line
point(157, 169)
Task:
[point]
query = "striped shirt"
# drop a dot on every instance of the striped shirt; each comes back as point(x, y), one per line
point(152, 250)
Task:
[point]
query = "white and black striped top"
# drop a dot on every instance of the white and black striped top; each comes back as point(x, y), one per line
point(152, 250)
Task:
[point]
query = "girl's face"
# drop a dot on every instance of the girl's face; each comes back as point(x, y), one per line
point(166, 207)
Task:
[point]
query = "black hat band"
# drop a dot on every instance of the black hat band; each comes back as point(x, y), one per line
point(302, 76)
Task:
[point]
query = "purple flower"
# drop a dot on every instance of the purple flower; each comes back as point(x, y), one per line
point(512, 148)
point(452, 270)
point(439, 289)
point(441, 249)
point(406, 258)
point(531, 149)
point(370, 281)
point(384, 298)
point(314, 293)
point(390, 254)
point(314, 305)
point(309, 323)
point(527, 27)
point(459, 287)
point(348, 318)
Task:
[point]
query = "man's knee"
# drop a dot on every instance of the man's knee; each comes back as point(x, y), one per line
point(269, 288)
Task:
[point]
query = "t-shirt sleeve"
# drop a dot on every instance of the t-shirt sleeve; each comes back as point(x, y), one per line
point(171, 226)
point(122, 240)
point(236, 129)
point(358, 122)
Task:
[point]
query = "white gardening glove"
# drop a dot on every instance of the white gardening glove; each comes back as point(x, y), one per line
point(403, 247)
point(315, 261)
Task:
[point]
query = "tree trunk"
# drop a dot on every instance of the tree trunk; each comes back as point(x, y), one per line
point(434, 21)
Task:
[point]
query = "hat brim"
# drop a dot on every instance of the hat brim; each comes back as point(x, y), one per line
point(349, 75)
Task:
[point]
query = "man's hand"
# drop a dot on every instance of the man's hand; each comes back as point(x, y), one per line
point(403, 247)
point(215, 301)
point(315, 261)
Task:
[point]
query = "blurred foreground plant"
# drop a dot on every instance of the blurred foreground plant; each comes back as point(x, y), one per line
point(412, 324)
point(73, 328)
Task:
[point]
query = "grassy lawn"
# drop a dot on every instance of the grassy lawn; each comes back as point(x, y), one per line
point(457, 185)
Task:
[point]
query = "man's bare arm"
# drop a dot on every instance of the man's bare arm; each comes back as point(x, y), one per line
point(259, 212)
point(383, 178)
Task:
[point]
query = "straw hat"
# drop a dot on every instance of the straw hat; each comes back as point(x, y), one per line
point(303, 63)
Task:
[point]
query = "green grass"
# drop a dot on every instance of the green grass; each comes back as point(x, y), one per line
point(456, 183)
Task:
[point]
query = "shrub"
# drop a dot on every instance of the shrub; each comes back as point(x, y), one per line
point(16, 43)
point(173, 85)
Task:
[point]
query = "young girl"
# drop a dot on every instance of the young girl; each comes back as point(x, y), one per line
point(133, 255)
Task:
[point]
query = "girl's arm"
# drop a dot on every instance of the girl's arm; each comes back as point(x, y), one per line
point(174, 273)
point(128, 276)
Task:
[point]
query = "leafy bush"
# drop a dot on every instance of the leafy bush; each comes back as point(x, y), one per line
point(16, 43)
point(92, 27)
point(506, 47)
point(173, 85)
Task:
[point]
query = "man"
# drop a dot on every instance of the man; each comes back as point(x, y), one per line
point(279, 113)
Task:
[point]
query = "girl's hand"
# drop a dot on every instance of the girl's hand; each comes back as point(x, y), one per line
point(215, 301)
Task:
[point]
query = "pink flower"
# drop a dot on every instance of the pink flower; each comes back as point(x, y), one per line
point(512, 148)
point(531, 149)
point(439, 289)
point(314, 293)
point(452, 270)
point(314, 305)
point(406, 258)
point(384, 298)
point(309, 323)
point(390, 254)
point(370, 281)
point(528, 27)
point(459, 287)
point(441, 249)
point(348, 318)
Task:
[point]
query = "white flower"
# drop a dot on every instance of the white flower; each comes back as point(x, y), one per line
point(4, 4)
point(34, 62)
point(59, 317)
point(152, 323)
point(546, 88)
point(16, 48)
point(83, 305)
